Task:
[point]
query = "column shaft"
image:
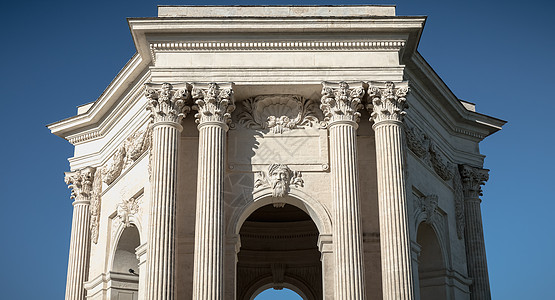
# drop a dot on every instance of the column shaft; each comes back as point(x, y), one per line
point(78, 265)
point(476, 251)
point(349, 275)
point(161, 237)
point(397, 281)
point(208, 264)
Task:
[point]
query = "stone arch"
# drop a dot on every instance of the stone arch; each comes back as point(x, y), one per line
point(432, 267)
point(317, 212)
point(296, 286)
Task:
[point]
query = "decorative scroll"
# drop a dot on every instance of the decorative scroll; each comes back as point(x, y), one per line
point(278, 113)
point(341, 101)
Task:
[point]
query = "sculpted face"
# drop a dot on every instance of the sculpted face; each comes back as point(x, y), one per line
point(279, 178)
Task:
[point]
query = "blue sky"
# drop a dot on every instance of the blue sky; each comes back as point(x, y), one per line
point(59, 54)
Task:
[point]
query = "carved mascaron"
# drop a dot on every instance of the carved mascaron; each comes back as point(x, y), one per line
point(278, 113)
point(279, 177)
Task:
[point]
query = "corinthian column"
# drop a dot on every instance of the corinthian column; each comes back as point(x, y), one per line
point(80, 182)
point(386, 106)
point(472, 179)
point(214, 104)
point(340, 103)
point(167, 108)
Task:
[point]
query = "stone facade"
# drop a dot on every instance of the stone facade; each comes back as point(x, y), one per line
point(246, 148)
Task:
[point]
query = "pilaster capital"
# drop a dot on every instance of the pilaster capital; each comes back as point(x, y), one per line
point(80, 182)
point(472, 179)
point(166, 102)
point(341, 101)
point(214, 103)
point(387, 101)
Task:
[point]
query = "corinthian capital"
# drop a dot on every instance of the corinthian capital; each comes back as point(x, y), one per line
point(214, 102)
point(167, 103)
point(472, 179)
point(341, 101)
point(387, 101)
point(80, 182)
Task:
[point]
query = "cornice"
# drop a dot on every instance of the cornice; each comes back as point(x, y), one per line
point(96, 113)
point(103, 128)
point(483, 125)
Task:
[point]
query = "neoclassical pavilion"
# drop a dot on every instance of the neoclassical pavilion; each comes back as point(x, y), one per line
point(252, 147)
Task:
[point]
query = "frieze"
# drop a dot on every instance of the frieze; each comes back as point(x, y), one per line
point(278, 113)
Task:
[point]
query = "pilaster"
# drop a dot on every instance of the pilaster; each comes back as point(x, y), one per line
point(80, 182)
point(214, 103)
point(340, 102)
point(167, 105)
point(386, 105)
point(472, 178)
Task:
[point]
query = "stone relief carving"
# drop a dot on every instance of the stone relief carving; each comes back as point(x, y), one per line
point(459, 203)
point(126, 208)
point(80, 183)
point(428, 205)
point(341, 101)
point(472, 180)
point(167, 104)
point(96, 202)
point(387, 101)
point(423, 147)
point(213, 102)
point(443, 168)
point(133, 147)
point(278, 113)
point(279, 177)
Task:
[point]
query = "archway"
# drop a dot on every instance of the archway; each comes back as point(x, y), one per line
point(279, 250)
point(431, 265)
point(124, 274)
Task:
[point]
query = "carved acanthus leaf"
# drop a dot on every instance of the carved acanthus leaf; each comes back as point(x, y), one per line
point(341, 101)
point(472, 179)
point(214, 102)
point(278, 113)
point(387, 101)
point(278, 177)
point(80, 183)
point(167, 104)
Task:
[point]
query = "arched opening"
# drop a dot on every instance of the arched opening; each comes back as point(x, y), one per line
point(271, 294)
point(431, 266)
point(124, 275)
point(279, 250)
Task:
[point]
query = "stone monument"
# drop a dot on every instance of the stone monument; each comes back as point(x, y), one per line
point(252, 147)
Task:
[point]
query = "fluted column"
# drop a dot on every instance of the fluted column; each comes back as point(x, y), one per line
point(472, 179)
point(167, 107)
point(80, 182)
point(340, 103)
point(386, 105)
point(214, 104)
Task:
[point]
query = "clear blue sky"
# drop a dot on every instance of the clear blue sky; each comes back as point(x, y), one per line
point(59, 54)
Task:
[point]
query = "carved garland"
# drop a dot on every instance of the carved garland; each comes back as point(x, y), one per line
point(459, 203)
point(278, 113)
point(423, 147)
